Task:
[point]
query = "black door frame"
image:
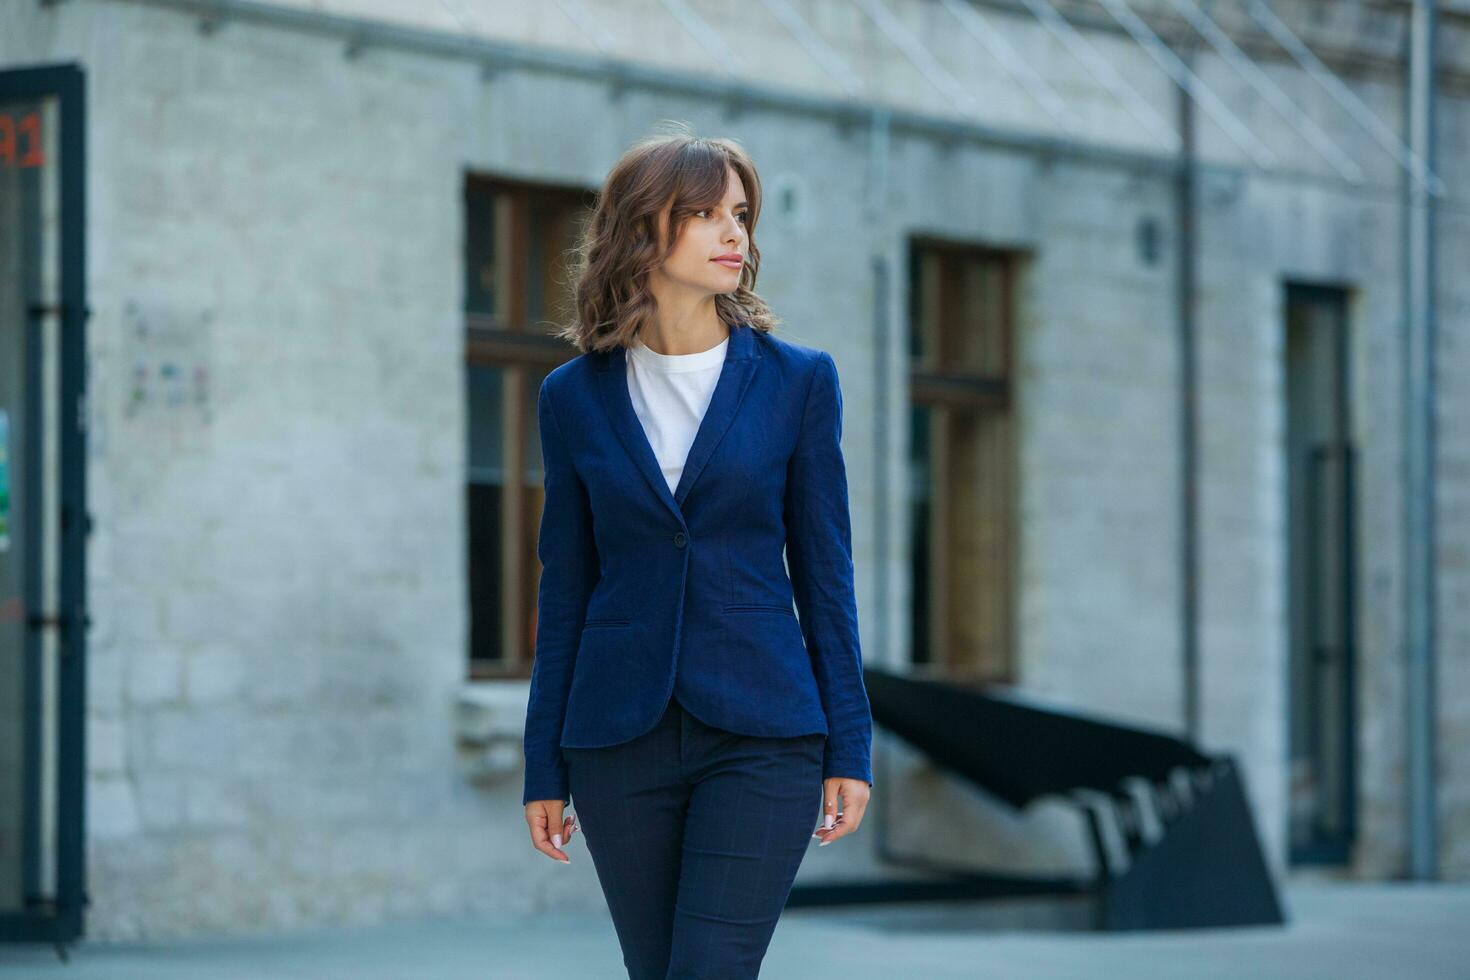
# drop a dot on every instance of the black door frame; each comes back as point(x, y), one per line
point(58, 917)
point(1336, 849)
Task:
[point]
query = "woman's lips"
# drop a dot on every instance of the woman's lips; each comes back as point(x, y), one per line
point(730, 263)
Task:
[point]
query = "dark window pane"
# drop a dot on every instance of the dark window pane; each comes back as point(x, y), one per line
point(919, 495)
point(481, 252)
point(486, 478)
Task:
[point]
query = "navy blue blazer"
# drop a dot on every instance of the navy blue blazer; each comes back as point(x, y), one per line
point(645, 593)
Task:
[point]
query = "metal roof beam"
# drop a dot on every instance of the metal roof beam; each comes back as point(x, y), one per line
point(578, 14)
point(1257, 78)
point(1013, 64)
point(821, 52)
point(621, 73)
point(1102, 72)
point(1356, 108)
point(920, 56)
point(730, 63)
point(1239, 133)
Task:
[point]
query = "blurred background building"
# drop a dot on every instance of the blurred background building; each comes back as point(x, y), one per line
point(1130, 303)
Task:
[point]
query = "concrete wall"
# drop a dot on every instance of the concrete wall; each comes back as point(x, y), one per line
point(276, 574)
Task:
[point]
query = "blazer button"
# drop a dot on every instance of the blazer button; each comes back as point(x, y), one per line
point(680, 539)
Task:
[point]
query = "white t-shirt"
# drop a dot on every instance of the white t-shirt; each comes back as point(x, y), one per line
point(670, 393)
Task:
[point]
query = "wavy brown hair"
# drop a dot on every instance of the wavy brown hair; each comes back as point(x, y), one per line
point(619, 248)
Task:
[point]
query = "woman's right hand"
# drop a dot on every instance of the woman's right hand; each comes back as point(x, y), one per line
point(541, 817)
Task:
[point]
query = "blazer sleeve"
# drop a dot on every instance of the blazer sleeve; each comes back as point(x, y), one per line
point(569, 570)
point(819, 557)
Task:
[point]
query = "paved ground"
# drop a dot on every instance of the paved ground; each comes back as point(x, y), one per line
point(1337, 932)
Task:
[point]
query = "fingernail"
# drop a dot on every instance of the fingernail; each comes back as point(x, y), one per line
point(827, 822)
point(556, 841)
point(824, 843)
point(563, 860)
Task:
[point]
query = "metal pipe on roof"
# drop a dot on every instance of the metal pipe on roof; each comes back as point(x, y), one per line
point(1186, 298)
point(455, 9)
point(1346, 168)
point(1102, 72)
point(1013, 64)
point(819, 50)
point(578, 14)
point(1420, 440)
point(707, 36)
point(1356, 108)
point(621, 73)
point(1239, 133)
point(920, 56)
point(887, 347)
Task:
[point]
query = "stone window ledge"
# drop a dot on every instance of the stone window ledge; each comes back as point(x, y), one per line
point(490, 721)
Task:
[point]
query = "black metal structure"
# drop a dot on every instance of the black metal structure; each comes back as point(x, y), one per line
point(1170, 827)
point(43, 165)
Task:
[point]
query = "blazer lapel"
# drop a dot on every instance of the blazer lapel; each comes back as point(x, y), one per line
point(739, 367)
point(741, 358)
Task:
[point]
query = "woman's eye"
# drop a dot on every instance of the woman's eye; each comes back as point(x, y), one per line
point(743, 215)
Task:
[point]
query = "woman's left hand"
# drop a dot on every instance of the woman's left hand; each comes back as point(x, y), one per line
point(854, 794)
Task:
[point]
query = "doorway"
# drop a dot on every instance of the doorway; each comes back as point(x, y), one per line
point(43, 519)
point(1321, 548)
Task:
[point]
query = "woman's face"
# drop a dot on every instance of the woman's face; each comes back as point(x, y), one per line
point(707, 236)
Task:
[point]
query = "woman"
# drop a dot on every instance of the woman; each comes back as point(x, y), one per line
point(701, 727)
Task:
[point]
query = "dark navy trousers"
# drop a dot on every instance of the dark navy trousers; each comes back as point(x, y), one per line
point(696, 834)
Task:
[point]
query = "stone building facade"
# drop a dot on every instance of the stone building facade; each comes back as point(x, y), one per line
point(283, 723)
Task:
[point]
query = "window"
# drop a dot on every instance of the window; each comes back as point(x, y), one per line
point(517, 240)
point(962, 473)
